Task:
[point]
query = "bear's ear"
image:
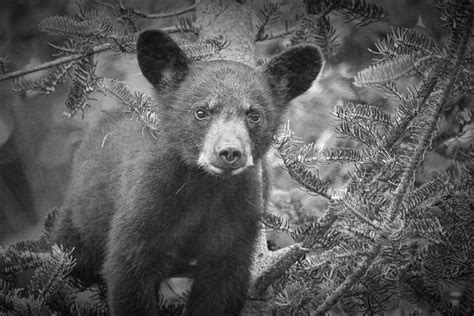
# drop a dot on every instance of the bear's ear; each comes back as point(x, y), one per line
point(292, 72)
point(161, 60)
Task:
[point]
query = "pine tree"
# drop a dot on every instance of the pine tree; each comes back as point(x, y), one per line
point(382, 236)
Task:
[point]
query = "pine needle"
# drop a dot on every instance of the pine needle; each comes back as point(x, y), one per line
point(388, 71)
point(137, 102)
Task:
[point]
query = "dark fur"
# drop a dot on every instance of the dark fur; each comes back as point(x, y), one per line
point(140, 209)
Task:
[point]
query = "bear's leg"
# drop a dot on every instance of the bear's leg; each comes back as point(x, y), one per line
point(220, 287)
point(133, 287)
point(133, 271)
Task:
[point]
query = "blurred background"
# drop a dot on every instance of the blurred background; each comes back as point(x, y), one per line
point(37, 141)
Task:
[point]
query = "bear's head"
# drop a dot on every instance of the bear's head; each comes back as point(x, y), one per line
point(220, 115)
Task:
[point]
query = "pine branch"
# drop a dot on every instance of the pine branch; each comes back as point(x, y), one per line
point(282, 33)
point(139, 103)
point(426, 228)
point(46, 84)
point(404, 41)
point(306, 179)
point(96, 33)
point(388, 71)
point(83, 84)
point(204, 49)
point(85, 308)
point(364, 211)
point(344, 155)
point(278, 269)
point(315, 30)
point(364, 233)
point(14, 261)
point(361, 11)
point(13, 302)
point(314, 235)
point(310, 154)
point(344, 287)
point(459, 44)
point(320, 8)
point(369, 113)
point(51, 274)
point(4, 61)
point(275, 222)
point(423, 193)
point(269, 14)
point(165, 14)
point(91, 24)
point(292, 294)
point(365, 134)
point(336, 254)
point(132, 12)
point(410, 107)
point(293, 255)
point(454, 11)
point(57, 62)
point(349, 202)
point(285, 144)
point(185, 25)
point(354, 10)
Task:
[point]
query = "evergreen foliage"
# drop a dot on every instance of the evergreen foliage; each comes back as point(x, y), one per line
point(89, 33)
point(137, 102)
point(393, 240)
point(354, 10)
point(4, 61)
point(268, 15)
point(381, 238)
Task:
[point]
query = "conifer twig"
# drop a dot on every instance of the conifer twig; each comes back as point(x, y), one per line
point(148, 15)
point(349, 282)
point(277, 269)
point(425, 140)
point(290, 257)
point(165, 14)
point(74, 57)
point(278, 34)
point(56, 62)
point(176, 29)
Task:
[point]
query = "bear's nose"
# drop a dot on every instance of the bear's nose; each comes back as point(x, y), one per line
point(230, 155)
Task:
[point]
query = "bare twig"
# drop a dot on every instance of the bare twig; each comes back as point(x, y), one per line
point(165, 14)
point(105, 4)
point(132, 11)
point(56, 62)
point(176, 29)
point(63, 49)
point(278, 34)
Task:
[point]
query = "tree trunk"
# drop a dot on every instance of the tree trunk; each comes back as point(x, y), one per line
point(234, 21)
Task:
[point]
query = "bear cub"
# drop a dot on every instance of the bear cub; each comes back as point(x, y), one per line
point(140, 209)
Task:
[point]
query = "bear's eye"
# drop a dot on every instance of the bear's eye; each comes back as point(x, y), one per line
point(201, 114)
point(254, 116)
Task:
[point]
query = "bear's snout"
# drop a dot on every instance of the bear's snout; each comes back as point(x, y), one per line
point(230, 155)
point(226, 148)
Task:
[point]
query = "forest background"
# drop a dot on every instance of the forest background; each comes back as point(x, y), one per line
point(37, 141)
